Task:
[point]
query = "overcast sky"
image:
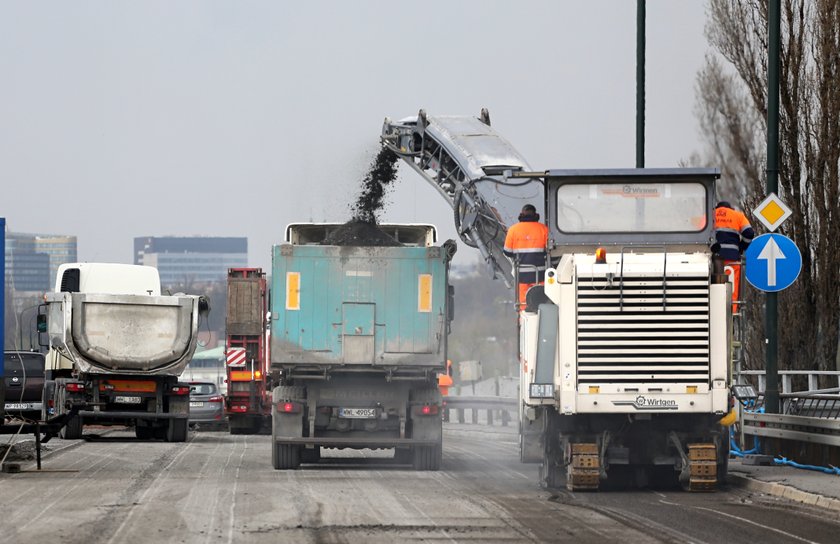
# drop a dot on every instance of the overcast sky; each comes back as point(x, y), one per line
point(124, 119)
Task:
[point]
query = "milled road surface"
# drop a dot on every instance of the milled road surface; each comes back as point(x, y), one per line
point(221, 488)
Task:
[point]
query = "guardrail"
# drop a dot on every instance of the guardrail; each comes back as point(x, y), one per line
point(787, 377)
point(813, 430)
point(809, 425)
point(503, 407)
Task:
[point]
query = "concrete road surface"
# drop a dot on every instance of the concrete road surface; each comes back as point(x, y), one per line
point(218, 488)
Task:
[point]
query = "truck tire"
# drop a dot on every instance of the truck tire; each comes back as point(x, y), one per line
point(176, 430)
point(285, 456)
point(144, 433)
point(72, 430)
point(427, 457)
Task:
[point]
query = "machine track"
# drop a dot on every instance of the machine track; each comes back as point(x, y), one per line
point(702, 465)
point(584, 469)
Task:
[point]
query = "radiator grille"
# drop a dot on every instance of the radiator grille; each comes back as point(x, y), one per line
point(643, 330)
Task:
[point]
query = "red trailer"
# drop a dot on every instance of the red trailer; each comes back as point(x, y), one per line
point(248, 401)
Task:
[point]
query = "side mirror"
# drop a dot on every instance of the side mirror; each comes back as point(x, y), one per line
point(42, 323)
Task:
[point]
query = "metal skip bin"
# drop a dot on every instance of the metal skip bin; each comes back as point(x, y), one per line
point(358, 305)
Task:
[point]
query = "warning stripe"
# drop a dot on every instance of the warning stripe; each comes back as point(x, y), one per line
point(236, 357)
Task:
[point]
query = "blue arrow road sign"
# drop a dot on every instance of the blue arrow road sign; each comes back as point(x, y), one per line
point(773, 262)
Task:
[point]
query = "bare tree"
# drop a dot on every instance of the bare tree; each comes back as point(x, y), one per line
point(732, 109)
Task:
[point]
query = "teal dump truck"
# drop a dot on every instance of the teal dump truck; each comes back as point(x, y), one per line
point(358, 338)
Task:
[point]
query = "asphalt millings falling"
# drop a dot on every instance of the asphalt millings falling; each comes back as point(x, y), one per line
point(382, 173)
point(362, 230)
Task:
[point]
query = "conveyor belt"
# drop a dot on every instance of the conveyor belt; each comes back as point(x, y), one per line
point(465, 159)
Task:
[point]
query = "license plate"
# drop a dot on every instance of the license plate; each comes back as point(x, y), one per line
point(124, 399)
point(196, 404)
point(22, 406)
point(357, 413)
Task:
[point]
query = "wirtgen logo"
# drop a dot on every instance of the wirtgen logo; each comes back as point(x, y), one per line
point(645, 403)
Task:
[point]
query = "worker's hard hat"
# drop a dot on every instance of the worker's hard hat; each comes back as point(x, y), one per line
point(529, 209)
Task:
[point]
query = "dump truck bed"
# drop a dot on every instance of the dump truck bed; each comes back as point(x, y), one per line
point(358, 307)
point(124, 334)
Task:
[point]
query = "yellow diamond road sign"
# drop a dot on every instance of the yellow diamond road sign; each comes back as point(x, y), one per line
point(772, 212)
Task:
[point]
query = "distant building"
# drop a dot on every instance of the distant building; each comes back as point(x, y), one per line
point(32, 260)
point(191, 260)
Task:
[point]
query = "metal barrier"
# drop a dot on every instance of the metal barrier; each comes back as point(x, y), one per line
point(505, 407)
point(787, 377)
point(811, 416)
point(813, 430)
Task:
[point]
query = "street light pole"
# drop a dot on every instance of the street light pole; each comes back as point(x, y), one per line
point(771, 309)
point(640, 83)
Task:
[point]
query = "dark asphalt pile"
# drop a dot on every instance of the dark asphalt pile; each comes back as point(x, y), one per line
point(359, 233)
point(361, 230)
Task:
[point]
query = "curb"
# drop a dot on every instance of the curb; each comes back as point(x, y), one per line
point(784, 491)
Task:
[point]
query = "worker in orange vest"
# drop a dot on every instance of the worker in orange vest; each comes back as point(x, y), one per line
point(733, 234)
point(526, 242)
point(445, 379)
point(444, 383)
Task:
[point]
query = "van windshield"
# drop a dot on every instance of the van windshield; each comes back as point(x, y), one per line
point(631, 207)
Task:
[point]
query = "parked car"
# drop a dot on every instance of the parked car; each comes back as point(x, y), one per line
point(24, 381)
point(207, 406)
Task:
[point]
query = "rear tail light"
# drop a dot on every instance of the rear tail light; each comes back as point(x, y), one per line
point(288, 407)
point(180, 390)
point(426, 410)
point(75, 387)
point(217, 398)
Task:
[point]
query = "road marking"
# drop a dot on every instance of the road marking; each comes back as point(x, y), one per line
point(744, 520)
point(230, 537)
point(153, 484)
